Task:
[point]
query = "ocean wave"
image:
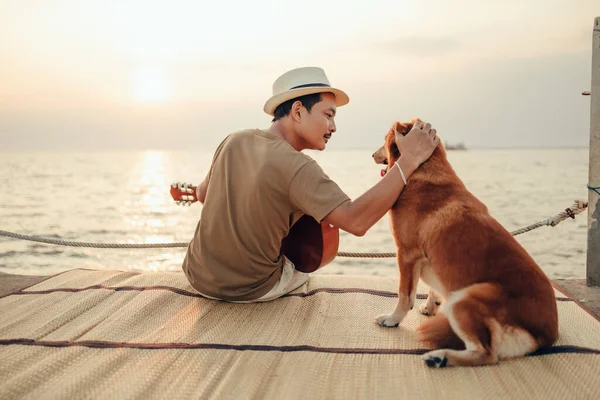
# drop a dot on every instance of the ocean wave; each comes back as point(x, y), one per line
point(106, 232)
point(25, 215)
point(79, 255)
point(18, 206)
point(34, 246)
point(14, 253)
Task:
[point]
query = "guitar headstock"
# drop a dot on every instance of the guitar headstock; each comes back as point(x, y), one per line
point(183, 193)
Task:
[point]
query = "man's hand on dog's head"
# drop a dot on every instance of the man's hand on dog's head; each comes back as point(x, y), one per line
point(418, 144)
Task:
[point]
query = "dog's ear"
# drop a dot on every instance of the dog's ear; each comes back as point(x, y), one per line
point(414, 121)
point(390, 142)
point(407, 126)
point(398, 128)
point(401, 128)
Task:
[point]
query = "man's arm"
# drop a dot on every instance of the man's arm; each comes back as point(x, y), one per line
point(358, 216)
point(201, 189)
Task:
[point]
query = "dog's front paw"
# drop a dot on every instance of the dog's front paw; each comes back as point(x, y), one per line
point(436, 359)
point(388, 321)
point(429, 308)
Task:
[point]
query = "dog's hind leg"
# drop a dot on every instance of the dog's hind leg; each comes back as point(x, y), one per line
point(468, 313)
point(410, 272)
point(432, 304)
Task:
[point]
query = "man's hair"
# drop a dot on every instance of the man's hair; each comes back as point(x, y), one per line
point(308, 101)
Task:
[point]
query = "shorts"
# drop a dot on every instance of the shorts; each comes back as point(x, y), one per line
point(289, 280)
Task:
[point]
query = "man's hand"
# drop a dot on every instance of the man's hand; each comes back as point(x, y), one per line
point(418, 144)
point(358, 216)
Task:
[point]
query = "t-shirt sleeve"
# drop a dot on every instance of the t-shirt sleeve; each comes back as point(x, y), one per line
point(314, 193)
point(217, 152)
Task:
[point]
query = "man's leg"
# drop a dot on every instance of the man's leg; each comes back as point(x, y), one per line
point(291, 279)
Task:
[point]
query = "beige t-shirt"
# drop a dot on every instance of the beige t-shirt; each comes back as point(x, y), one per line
point(259, 185)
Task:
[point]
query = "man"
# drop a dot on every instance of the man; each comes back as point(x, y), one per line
point(260, 183)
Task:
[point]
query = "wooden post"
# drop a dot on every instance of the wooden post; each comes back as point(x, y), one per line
point(593, 250)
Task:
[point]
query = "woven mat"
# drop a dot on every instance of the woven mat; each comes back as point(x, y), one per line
point(113, 334)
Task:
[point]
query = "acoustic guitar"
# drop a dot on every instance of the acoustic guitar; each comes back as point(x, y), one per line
point(310, 245)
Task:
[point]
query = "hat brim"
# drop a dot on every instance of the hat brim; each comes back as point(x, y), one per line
point(341, 98)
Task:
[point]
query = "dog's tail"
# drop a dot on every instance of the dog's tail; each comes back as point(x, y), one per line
point(437, 333)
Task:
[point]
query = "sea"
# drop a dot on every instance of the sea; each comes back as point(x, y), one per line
point(123, 197)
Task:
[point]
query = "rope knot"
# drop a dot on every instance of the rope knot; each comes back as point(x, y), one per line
point(570, 213)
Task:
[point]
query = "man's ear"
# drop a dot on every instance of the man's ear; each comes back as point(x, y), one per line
point(296, 111)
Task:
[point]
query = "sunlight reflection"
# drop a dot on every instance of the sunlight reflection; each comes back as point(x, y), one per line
point(146, 209)
point(169, 261)
point(151, 190)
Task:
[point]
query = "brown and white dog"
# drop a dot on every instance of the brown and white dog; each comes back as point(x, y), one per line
point(498, 303)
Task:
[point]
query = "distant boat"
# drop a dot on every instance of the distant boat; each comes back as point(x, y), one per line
point(457, 146)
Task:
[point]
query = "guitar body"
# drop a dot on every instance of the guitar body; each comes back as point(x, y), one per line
point(310, 245)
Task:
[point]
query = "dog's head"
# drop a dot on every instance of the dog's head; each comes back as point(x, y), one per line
point(389, 153)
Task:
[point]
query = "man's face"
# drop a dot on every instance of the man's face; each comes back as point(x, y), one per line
point(317, 126)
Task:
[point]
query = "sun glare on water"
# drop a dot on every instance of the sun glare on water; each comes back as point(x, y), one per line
point(146, 207)
point(149, 213)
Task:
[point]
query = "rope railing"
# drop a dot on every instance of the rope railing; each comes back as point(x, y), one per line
point(578, 207)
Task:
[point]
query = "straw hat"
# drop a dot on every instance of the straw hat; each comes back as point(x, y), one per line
point(300, 82)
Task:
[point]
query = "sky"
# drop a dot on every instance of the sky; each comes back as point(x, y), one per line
point(169, 75)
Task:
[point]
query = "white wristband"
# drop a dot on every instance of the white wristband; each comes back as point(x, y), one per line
point(401, 174)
